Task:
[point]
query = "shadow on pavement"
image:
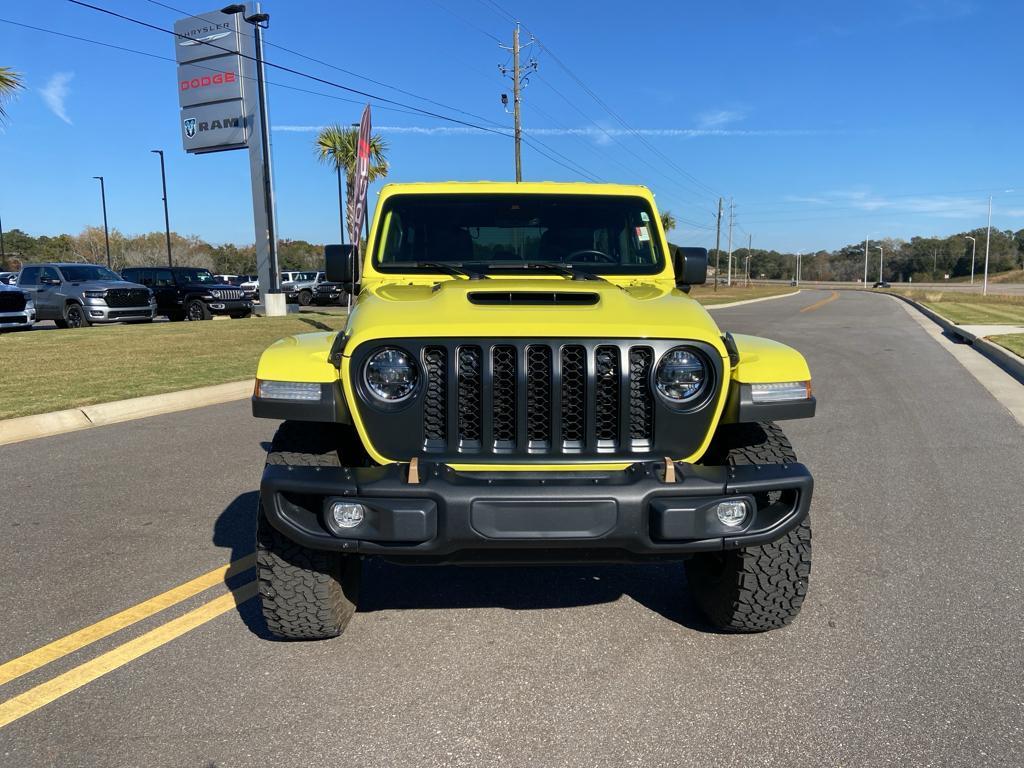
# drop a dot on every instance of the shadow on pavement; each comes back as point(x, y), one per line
point(386, 587)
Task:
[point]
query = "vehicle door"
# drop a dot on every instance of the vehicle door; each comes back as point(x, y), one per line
point(28, 281)
point(50, 295)
point(166, 290)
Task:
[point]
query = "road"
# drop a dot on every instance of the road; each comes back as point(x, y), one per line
point(907, 652)
point(1006, 289)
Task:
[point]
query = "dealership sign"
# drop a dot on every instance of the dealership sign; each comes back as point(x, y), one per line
point(210, 49)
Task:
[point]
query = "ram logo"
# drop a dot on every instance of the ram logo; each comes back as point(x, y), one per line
point(190, 127)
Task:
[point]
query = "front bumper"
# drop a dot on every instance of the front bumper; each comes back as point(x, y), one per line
point(101, 313)
point(232, 307)
point(23, 319)
point(611, 516)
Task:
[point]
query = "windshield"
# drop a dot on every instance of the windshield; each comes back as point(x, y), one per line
point(606, 235)
point(87, 272)
point(196, 276)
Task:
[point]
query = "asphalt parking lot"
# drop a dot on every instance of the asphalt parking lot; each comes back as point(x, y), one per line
point(907, 651)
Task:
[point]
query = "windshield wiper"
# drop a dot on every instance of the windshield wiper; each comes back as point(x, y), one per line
point(456, 270)
point(566, 270)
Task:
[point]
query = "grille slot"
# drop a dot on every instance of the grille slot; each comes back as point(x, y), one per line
point(607, 412)
point(470, 389)
point(538, 396)
point(641, 402)
point(574, 397)
point(503, 388)
point(435, 432)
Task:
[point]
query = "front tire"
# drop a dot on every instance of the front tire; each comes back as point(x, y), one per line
point(757, 588)
point(304, 298)
point(75, 317)
point(197, 310)
point(306, 594)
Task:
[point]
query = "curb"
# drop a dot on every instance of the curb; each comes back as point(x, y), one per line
point(58, 422)
point(709, 307)
point(1004, 358)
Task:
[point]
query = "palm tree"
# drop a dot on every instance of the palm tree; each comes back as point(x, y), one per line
point(10, 81)
point(668, 221)
point(336, 146)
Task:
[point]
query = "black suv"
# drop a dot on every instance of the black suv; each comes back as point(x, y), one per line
point(190, 293)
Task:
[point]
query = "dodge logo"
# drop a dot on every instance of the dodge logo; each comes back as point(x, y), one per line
point(190, 127)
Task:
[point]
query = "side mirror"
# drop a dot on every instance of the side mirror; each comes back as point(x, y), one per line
point(691, 265)
point(49, 281)
point(338, 263)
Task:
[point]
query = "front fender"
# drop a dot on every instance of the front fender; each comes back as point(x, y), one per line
point(302, 358)
point(763, 361)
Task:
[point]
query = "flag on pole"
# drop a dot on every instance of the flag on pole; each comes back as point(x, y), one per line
point(360, 192)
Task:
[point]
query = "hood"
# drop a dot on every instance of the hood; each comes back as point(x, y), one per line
point(529, 308)
point(210, 287)
point(102, 285)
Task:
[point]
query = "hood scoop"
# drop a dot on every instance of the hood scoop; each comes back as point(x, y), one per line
point(534, 298)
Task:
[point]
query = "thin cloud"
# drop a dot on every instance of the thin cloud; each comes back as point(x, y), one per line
point(719, 117)
point(55, 92)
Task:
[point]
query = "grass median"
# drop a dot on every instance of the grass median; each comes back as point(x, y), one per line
point(50, 370)
point(1011, 341)
point(972, 309)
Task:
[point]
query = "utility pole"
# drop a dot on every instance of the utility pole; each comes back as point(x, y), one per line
point(106, 232)
point(732, 216)
point(3, 253)
point(518, 81)
point(167, 219)
point(988, 239)
point(718, 242)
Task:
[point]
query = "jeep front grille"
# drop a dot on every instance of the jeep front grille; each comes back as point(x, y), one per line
point(127, 297)
point(227, 294)
point(513, 400)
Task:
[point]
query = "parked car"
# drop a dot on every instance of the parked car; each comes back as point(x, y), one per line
point(327, 292)
point(78, 295)
point(881, 284)
point(190, 293)
point(226, 279)
point(573, 404)
point(17, 310)
point(250, 285)
point(8, 278)
point(298, 286)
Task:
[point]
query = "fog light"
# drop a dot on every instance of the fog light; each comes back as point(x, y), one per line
point(347, 514)
point(731, 513)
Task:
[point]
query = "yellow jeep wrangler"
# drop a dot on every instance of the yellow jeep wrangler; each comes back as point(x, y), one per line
point(524, 379)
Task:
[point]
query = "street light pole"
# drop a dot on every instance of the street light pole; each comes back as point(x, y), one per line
point(3, 253)
point(974, 248)
point(167, 219)
point(106, 232)
point(866, 251)
point(988, 238)
point(881, 253)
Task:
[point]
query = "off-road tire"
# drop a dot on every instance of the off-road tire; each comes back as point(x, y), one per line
point(307, 594)
point(758, 588)
point(304, 298)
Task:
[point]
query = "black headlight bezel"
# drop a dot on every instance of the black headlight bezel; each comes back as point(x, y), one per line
point(703, 396)
point(372, 398)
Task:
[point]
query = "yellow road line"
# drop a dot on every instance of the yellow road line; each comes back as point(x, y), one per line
point(65, 683)
point(52, 651)
point(822, 303)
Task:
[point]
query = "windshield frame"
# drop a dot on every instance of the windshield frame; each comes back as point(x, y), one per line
point(645, 206)
point(185, 275)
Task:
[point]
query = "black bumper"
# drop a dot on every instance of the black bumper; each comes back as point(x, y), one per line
point(229, 306)
point(610, 516)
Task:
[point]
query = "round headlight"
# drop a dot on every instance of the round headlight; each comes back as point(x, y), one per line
point(682, 375)
point(391, 375)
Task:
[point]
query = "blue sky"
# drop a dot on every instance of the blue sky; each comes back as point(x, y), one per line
point(827, 122)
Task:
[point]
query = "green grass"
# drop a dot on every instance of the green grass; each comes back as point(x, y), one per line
point(972, 309)
point(1012, 276)
point(707, 295)
point(50, 370)
point(1012, 341)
